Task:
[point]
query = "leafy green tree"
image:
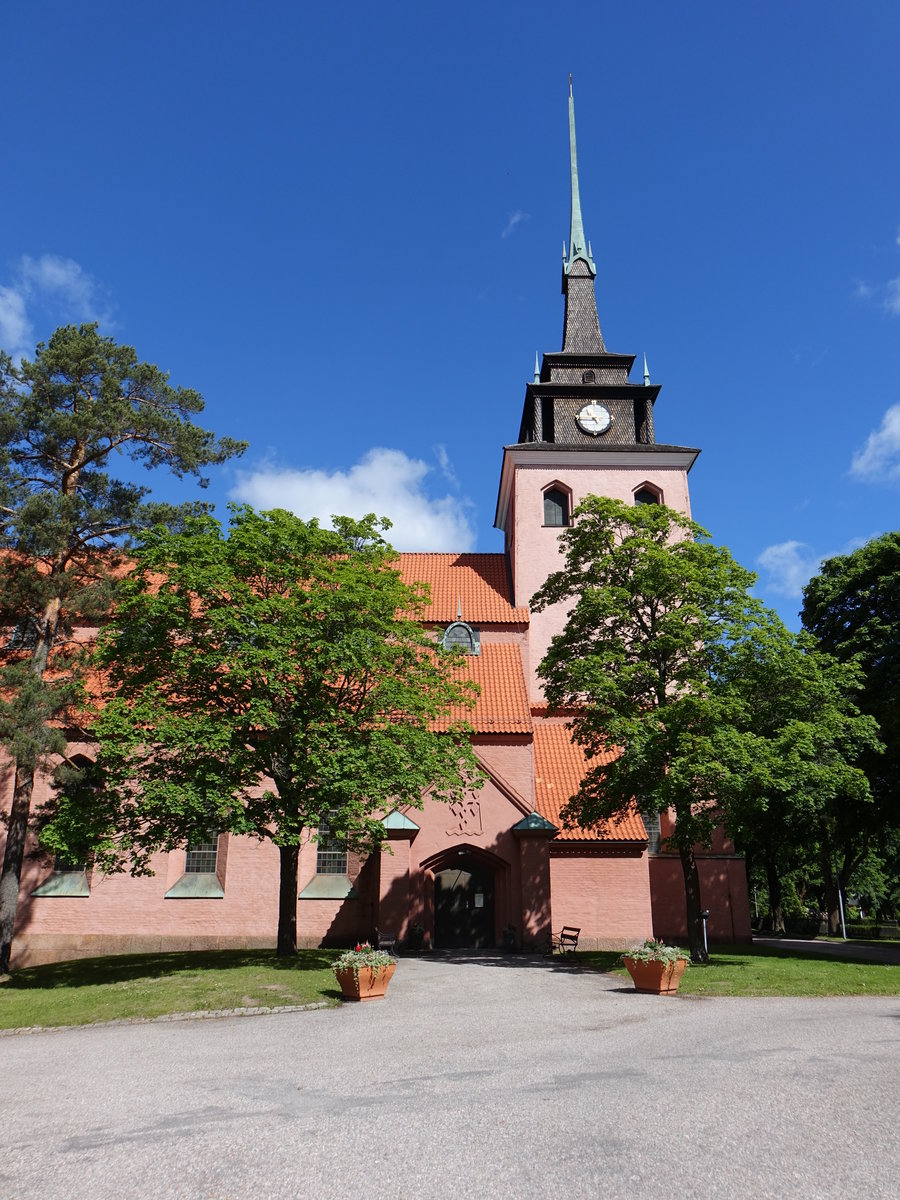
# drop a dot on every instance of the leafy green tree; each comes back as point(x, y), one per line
point(853, 608)
point(62, 517)
point(655, 607)
point(800, 736)
point(264, 682)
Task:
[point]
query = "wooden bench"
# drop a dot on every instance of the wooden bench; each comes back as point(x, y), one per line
point(566, 941)
point(384, 941)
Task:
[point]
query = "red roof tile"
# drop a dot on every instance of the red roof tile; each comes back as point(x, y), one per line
point(559, 767)
point(479, 582)
point(503, 705)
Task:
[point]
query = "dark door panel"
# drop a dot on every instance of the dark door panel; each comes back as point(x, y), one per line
point(464, 908)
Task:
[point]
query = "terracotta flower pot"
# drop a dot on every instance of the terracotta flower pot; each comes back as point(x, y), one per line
point(658, 978)
point(369, 983)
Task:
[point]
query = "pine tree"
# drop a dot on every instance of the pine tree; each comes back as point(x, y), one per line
point(63, 523)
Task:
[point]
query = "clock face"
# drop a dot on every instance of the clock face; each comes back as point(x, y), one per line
point(594, 419)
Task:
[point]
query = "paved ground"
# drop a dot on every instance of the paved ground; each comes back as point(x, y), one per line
point(864, 951)
point(481, 1077)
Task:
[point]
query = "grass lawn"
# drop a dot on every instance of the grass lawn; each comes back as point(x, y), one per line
point(771, 971)
point(149, 985)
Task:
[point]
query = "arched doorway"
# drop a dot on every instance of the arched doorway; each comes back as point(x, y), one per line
point(464, 906)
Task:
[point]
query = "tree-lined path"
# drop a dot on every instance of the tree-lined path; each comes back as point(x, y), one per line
point(471, 1079)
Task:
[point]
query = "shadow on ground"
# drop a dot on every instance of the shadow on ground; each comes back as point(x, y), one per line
point(513, 961)
point(89, 972)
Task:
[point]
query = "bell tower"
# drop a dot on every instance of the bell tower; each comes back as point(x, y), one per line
point(585, 430)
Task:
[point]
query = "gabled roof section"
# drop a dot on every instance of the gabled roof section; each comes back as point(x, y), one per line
point(475, 584)
point(559, 767)
point(503, 704)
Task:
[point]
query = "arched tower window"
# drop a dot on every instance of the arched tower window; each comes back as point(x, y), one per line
point(647, 493)
point(556, 507)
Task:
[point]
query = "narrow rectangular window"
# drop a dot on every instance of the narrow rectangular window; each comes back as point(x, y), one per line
point(201, 855)
point(331, 852)
point(654, 836)
point(66, 866)
point(548, 431)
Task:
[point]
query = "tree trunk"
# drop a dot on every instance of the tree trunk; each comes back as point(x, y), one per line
point(21, 803)
point(699, 953)
point(776, 907)
point(287, 900)
point(12, 862)
point(832, 902)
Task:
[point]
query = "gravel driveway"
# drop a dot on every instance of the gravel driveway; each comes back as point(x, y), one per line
point(475, 1077)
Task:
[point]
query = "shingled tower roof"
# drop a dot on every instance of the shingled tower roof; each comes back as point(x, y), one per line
point(582, 396)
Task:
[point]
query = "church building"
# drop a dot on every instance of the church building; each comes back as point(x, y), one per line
point(498, 870)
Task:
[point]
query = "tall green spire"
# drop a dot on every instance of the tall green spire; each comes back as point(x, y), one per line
point(579, 247)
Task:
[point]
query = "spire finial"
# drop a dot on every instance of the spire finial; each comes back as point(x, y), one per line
point(578, 247)
point(646, 372)
point(537, 369)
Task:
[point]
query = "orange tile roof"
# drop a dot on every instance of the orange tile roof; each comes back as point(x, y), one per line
point(503, 705)
point(479, 582)
point(559, 767)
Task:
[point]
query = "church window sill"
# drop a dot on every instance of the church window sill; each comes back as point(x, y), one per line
point(65, 884)
point(329, 887)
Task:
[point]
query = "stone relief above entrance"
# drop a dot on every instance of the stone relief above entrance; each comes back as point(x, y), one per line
point(465, 818)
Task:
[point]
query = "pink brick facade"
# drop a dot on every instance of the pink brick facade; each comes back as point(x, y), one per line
point(606, 895)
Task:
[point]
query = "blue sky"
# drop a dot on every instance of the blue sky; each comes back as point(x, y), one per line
point(343, 225)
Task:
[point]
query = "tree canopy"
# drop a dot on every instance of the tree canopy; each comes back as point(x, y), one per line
point(656, 605)
point(63, 516)
point(266, 681)
point(793, 773)
point(852, 607)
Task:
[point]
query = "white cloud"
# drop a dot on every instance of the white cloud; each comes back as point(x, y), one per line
point(515, 219)
point(879, 459)
point(440, 453)
point(863, 290)
point(892, 296)
point(67, 282)
point(789, 566)
point(384, 481)
point(15, 329)
point(58, 289)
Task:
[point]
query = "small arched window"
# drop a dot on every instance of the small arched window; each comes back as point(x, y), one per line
point(556, 507)
point(647, 494)
point(461, 634)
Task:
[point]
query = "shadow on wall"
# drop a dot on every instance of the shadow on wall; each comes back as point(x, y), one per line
point(465, 875)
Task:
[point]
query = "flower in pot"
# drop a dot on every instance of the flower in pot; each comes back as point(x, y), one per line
point(364, 973)
point(655, 967)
